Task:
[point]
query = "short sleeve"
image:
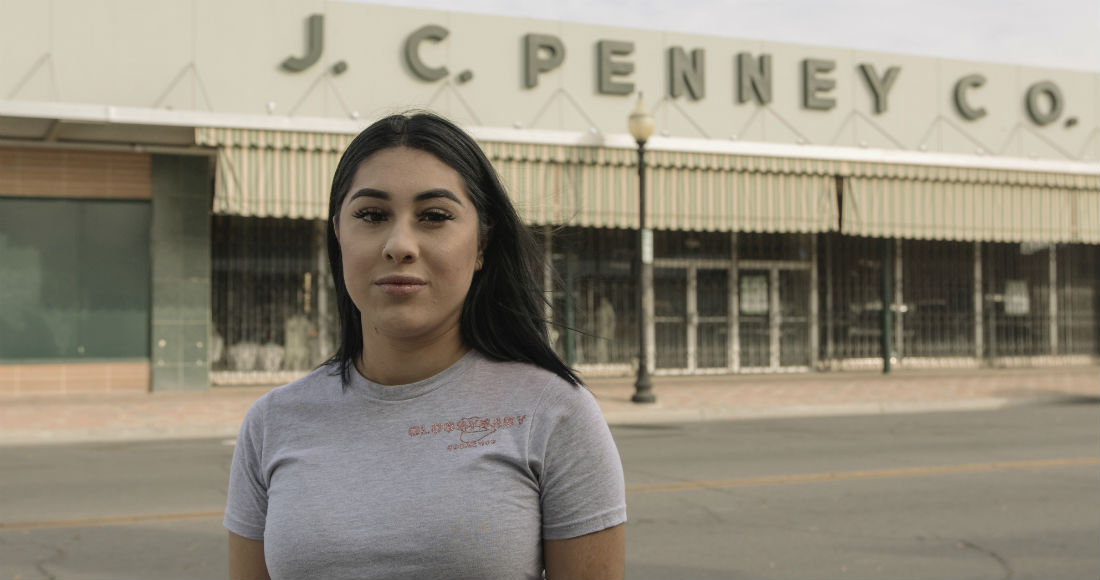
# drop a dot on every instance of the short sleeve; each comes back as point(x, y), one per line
point(580, 474)
point(246, 503)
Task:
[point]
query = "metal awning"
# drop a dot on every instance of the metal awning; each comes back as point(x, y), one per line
point(273, 173)
point(288, 174)
point(598, 187)
point(936, 203)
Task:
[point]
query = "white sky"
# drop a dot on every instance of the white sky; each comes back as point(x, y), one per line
point(1041, 33)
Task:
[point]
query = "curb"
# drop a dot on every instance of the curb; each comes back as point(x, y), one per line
point(659, 416)
point(118, 435)
point(654, 415)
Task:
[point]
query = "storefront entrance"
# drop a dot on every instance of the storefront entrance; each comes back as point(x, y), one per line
point(691, 306)
point(697, 314)
point(774, 322)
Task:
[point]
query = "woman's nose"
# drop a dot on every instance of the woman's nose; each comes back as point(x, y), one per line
point(400, 245)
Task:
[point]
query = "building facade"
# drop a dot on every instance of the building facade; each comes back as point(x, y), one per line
point(165, 172)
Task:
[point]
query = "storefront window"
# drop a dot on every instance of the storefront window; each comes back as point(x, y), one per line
point(74, 279)
point(594, 298)
point(852, 310)
point(937, 317)
point(1016, 291)
point(1078, 270)
point(272, 299)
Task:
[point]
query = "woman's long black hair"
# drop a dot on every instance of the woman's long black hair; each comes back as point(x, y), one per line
point(503, 313)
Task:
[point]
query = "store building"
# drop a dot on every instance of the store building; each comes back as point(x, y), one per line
point(165, 169)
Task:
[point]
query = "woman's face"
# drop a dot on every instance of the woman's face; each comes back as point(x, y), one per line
point(408, 234)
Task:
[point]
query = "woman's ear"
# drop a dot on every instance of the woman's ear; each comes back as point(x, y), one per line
point(336, 228)
point(485, 232)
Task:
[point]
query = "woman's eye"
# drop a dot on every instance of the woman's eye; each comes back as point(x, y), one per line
point(435, 216)
point(370, 215)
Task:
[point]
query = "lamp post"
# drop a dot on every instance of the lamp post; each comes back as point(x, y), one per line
point(641, 127)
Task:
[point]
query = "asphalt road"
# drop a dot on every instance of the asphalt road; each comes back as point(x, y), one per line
point(999, 494)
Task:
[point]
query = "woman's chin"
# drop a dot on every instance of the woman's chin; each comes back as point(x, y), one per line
point(412, 331)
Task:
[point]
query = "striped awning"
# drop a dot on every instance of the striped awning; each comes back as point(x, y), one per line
point(796, 199)
point(598, 187)
point(936, 203)
point(273, 173)
point(288, 174)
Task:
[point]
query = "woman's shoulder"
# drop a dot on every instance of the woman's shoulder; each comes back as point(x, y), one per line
point(511, 372)
point(319, 385)
point(543, 386)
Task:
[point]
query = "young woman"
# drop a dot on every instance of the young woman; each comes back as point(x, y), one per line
point(445, 439)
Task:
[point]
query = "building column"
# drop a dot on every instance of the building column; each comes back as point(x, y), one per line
point(691, 321)
point(815, 327)
point(1052, 293)
point(899, 302)
point(180, 253)
point(887, 294)
point(734, 308)
point(775, 318)
point(979, 304)
point(830, 322)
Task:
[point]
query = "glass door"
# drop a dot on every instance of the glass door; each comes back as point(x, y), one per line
point(794, 318)
point(670, 317)
point(755, 315)
point(712, 344)
point(774, 311)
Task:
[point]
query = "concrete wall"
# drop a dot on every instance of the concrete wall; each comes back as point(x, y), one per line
point(207, 55)
point(180, 247)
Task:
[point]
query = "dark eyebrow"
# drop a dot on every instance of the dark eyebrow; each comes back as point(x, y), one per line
point(430, 194)
point(436, 193)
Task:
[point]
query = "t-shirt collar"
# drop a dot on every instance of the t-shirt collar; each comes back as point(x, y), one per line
point(373, 390)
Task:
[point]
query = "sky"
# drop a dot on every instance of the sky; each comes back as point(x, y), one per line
point(1041, 33)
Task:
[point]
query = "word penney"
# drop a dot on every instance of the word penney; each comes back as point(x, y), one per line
point(686, 71)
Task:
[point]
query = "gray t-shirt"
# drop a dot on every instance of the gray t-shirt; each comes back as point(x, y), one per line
point(461, 475)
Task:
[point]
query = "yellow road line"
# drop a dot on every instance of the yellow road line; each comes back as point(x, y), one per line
point(111, 520)
point(856, 475)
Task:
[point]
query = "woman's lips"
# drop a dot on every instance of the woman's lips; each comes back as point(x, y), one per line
point(399, 285)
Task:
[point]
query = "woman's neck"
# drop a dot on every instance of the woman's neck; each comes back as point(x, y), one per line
point(390, 361)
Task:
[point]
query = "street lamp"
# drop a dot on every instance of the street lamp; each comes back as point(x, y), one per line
point(641, 127)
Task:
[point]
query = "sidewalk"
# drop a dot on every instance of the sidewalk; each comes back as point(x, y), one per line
point(218, 412)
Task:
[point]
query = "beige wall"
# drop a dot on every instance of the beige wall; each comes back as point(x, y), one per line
point(211, 55)
point(68, 378)
point(74, 174)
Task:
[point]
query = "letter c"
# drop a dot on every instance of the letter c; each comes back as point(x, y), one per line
point(966, 83)
point(430, 32)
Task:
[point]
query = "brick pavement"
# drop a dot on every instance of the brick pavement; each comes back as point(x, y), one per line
point(844, 393)
point(218, 412)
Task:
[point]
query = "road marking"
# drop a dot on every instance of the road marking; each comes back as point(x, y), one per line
point(857, 475)
point(647, 488)
point(111, 520)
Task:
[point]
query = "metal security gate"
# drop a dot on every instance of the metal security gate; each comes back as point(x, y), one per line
point(774, 318)
point(712, 340)
point(670, 308)
point(691, 307)
point(273, 309)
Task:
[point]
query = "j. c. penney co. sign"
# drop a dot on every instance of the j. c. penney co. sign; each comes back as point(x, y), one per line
point(1043, 100)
